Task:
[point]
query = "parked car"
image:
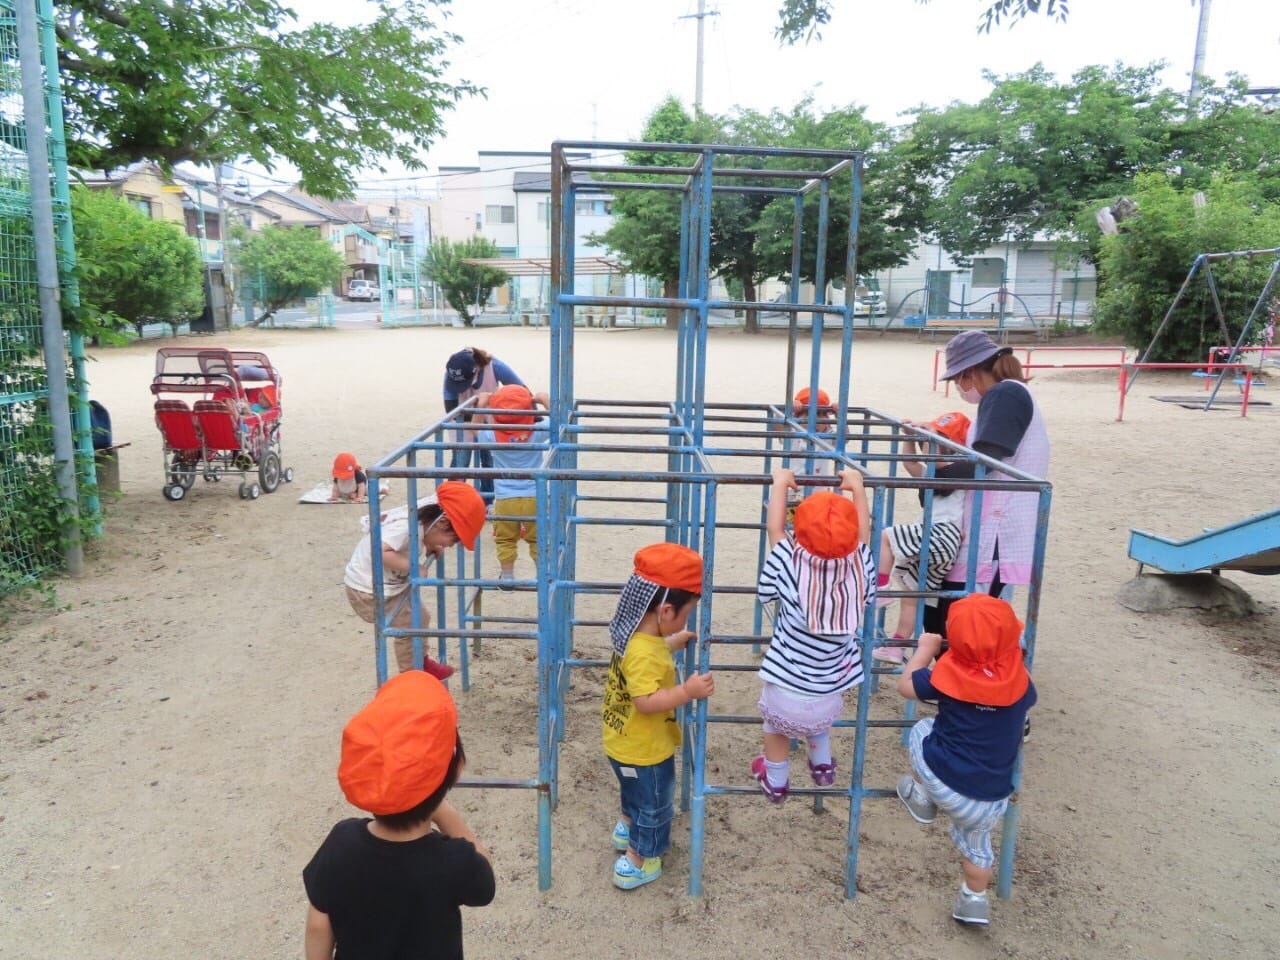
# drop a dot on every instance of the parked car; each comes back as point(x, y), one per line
point(868, 301)
point(363, 290)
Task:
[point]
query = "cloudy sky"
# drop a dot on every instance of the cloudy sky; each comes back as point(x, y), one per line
point(594, 69)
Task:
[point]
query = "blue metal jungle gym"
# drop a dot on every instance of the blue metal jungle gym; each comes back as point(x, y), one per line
point(635, 470)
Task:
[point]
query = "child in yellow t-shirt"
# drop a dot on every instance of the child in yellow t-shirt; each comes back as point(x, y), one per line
point(640, 700)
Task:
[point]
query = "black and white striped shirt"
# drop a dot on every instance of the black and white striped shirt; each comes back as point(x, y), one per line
point(798, 660)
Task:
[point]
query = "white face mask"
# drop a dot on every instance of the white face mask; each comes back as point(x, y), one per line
point(969, 394)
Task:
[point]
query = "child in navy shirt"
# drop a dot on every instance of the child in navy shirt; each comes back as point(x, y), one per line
point(963, 759)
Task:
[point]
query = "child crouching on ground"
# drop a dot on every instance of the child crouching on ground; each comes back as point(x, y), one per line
point(964, 758)
point(821, 579)
point(392, 886)
point(900, 544)
point(640, 700)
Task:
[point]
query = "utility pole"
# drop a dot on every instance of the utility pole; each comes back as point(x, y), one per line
point(224, 238)
point(701, 17)
point(1197, 61)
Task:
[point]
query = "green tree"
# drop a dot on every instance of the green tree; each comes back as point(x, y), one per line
point(646, 229)
point(466, 286)
point(752, 234)
point(886, 230)
point(283, 264)
point(1144, 265)
point(132, 269)
point(206, 81)
point(1022, 160)
point(803, 19)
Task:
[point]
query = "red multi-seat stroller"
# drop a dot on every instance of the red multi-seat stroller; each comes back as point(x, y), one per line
point(219, 413)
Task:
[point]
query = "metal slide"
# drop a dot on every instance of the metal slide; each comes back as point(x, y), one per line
point(1251, 545)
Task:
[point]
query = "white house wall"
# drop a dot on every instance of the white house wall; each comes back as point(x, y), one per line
point(1032, 272)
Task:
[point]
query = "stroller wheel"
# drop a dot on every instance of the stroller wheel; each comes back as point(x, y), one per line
point(254, 491)
point(244, 491)
point(288, 474)
point(174, 491)
point(269, 472)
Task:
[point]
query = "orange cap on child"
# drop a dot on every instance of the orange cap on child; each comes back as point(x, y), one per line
point(396, 751)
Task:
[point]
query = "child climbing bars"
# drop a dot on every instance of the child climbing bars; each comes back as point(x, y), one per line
point(900, 544)
point(963, 759)
point(821, 578)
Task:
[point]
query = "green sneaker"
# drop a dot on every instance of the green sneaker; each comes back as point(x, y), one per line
point(621, 835)
point(627, 876)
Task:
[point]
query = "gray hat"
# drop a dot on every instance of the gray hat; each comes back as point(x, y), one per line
point(968, 349)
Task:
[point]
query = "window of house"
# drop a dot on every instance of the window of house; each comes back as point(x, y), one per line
point(499, 213)
point(988, 271)
point(1080, 288)
point(139, 203)
point(592, 208)
point(544, 211)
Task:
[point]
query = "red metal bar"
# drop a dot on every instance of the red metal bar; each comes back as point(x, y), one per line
point(1244, 400)
point(1124, 384)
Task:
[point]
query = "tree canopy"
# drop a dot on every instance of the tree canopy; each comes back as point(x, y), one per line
point(1022, 161)
point(206, 81)
point(804, 19)
point(283, 264)
point(466, 286)
point(752, 233)
point(1143, 266)
point(132, 269)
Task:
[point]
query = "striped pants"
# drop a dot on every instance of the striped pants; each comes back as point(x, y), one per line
point(971, 820)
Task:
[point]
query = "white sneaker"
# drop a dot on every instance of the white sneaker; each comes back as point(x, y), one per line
point(972, 908)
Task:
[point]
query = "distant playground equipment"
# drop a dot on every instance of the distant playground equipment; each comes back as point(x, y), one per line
point(1251, 545)
point(231, 426)
point(1125, 370)
point(618, 473)
point(1261, 317)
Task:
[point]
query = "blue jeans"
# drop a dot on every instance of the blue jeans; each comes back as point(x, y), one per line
point(462, 458)
point(648, 799)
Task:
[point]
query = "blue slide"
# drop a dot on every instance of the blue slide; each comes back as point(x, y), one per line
point(1251, 545)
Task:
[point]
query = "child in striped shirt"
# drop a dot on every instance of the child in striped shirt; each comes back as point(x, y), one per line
point(900, 544)
point(821, 578)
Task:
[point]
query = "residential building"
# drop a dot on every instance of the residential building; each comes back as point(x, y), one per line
point(506, 198)
point(1042, 278)
point(187, 201)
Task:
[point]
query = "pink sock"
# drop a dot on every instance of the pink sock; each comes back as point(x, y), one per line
point(882, 580)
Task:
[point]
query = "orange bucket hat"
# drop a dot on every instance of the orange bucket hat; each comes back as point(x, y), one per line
point(984, 661)
point(954, 426)
point(396, 751)
point(670, 565)
point(658, 566)
point(802, 398)
point(464, 508)
point(345, 466)
point(827, 525)
point(512, 397)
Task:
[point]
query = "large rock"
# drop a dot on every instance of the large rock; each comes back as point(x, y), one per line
point(1159, 592)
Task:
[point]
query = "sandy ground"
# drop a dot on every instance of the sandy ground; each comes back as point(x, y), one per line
point(170, 730)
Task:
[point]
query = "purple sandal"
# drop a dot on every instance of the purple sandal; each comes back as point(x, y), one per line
point(824, 774)
point(775, 794)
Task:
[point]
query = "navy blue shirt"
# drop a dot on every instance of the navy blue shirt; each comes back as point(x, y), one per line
point(973, 747)
point(1004, 413)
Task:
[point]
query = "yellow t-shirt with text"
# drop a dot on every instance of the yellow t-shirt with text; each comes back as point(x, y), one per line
point(631, 737)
